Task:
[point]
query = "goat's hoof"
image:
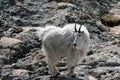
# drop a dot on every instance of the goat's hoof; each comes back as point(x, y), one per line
point(72, 75)
point(55, 76)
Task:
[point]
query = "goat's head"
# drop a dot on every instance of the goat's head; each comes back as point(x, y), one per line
point(78, 36)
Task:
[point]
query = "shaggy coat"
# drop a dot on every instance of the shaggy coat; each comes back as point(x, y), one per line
point(58, 42)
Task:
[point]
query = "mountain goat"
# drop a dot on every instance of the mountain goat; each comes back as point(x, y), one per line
point(71, 41)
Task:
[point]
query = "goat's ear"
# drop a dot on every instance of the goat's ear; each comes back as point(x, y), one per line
point(75, 28)
point(82, 31)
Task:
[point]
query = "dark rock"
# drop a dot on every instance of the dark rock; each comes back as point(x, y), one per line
point(110, 20)
point(20, 22)
point(42, 71)
point(13, 30)
point(102, 28)
point(30, 41)
point(90, 52)
point(103, 72)
point(3, 60)
point(10, 74)
point(12, 2)
point(6, 72)
point(6, 77)
point(3, 27)
point(10, 55)
point(61, 64)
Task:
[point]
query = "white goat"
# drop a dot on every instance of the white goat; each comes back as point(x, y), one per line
point(71, 41)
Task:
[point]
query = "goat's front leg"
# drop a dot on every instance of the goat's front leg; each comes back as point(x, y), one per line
point(71, 66)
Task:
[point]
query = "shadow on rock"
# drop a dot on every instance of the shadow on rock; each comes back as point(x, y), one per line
point(62, 77)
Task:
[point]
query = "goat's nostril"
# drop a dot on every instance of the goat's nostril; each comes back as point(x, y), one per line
point(74, 44)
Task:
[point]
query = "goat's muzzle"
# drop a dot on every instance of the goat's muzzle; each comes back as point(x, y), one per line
point(74, 44)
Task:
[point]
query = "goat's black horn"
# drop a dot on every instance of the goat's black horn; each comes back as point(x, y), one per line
point(75, 28)
point(80, 28)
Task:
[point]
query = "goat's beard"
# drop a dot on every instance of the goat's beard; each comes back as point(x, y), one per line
point(78, 47)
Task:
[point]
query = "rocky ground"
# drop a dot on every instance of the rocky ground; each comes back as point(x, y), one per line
point(21, 57)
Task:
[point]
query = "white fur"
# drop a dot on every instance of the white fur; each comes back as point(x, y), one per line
point(58, 42)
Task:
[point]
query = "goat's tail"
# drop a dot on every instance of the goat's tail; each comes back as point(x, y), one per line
point(42, 31)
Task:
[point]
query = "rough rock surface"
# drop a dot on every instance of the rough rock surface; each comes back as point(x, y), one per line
point(21, 57)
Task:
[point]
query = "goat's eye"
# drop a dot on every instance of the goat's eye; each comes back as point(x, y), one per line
point(79, 35)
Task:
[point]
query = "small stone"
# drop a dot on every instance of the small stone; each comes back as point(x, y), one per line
point(7, 40)
point(92, 78)
point(20, 72)
point(114, 30)
point(64, 5)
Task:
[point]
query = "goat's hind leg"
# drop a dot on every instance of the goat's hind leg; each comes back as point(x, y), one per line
point(52, 60)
